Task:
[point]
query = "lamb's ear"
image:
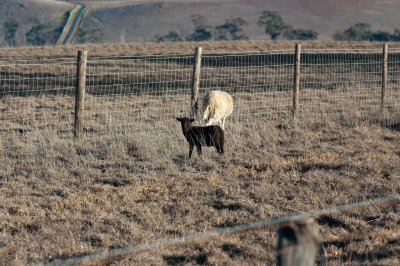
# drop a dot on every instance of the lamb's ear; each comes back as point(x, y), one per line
point(191, 120)
point(178, 119)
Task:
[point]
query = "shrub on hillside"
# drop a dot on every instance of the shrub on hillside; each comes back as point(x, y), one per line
point(364, 32)
point(276, 28)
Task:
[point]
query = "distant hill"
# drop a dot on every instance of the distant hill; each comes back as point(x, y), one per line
point(25, 14)
point(134, 20)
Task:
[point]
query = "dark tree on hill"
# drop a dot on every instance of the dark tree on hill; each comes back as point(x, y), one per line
point(172, 36)
point(40, 34)
point(363, 32)
point(396, 35)
point(202, 31)
point(299, 34)
point(11, 28)
point(231, 30)
point(46, 33)
point(273, 24)
point(200, 34)
point(382, 36)
point(358, 32)
point(275, 28)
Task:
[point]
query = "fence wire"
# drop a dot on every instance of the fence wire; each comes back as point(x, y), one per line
point(190, 239)
point(137, 94)
point(144, 93)
point(37, 96)
point(260, 84)
point(346, 83)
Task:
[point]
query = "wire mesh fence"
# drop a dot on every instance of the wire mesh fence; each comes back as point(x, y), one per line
point(340, 83)
point(126, 94)
point(259, 83)
point(36, 95)
point(144, 93)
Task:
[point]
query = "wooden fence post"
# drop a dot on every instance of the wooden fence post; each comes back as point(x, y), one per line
point(298, 243)
point(194, 104)
point(384, 78)
point(80, 93)
point(296, 79)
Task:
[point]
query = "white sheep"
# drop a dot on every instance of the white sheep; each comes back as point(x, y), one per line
point(217, 106)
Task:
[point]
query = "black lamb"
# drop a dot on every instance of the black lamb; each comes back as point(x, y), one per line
point(206, 136)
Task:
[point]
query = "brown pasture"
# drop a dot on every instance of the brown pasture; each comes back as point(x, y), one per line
point(129, 181)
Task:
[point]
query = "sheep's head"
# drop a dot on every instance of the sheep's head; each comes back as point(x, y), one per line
point(185, 122)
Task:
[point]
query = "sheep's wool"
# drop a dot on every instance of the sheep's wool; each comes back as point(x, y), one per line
point(217, 105)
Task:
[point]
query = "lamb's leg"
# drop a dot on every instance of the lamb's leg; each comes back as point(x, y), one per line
point(199, 149)
point(220, 148)
point(190, 151)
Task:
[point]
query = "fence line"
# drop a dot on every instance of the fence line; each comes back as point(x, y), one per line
point(138, 93)
point(188, 239)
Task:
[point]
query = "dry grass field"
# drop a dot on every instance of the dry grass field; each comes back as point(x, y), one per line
point(162, 48)
point(62, 198)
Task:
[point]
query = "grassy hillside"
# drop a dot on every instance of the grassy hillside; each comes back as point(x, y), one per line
point(134, 20)
point(46, 15)
point(145, 19)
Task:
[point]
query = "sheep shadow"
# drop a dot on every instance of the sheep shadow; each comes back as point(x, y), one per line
point(379, 253)
point(235, 252)
point(180, 160)
point(304, 168)
point(325, 220)
point(219, 205)
point(114, 181)
point(200, 258)
point(393, 126)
